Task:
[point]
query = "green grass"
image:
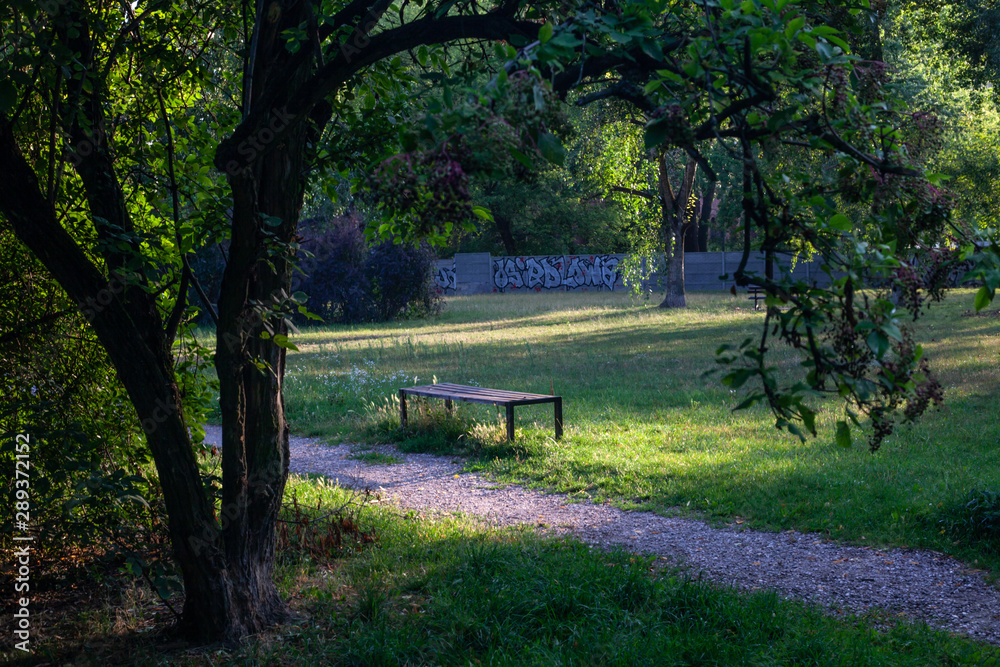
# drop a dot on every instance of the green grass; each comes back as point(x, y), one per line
point(450, 592)
point(645, 429)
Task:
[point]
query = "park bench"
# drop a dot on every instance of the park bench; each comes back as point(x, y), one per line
point(756, 293)
point(459, 392)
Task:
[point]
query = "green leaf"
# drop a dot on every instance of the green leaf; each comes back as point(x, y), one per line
point(521, 157)
point(658, 132)
point(840, 222)
point(652, 49)
point(545, 32)
point(737, 378)
point(749, 402)
point(892, 331)
point(878, 343)
point(983, 297)
point(779, 119)
point(794, 26)
point(483, 213)
point(281, 340)
point(551, 148)
point(843, 434)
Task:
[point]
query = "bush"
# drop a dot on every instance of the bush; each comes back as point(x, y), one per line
point(89, 481)
point(348, 280)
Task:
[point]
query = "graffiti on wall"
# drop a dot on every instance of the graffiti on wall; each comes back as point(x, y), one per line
point(445, 279)
point(556, 272)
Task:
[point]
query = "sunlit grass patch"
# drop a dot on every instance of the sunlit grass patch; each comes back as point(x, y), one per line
point(644, 427)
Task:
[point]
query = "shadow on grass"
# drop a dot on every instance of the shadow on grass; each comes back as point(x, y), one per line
point(508, 598)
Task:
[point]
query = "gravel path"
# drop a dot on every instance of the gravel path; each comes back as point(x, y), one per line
point(924, 584)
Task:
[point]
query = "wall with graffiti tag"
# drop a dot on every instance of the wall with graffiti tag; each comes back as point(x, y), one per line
point(476, 273)
point(557, 272)
point(445, 277)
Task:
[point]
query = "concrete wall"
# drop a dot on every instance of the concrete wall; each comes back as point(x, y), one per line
point(478, 273)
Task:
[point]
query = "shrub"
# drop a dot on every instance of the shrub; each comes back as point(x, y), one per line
point(89, 481)
point(348, 280)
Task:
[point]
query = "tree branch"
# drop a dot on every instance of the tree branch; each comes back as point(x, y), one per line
point(278, 111)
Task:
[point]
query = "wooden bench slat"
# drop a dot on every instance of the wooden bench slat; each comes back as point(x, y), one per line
point(478, 394)
point(465, 390)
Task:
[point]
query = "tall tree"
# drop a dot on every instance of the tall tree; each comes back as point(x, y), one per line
point(86, 84)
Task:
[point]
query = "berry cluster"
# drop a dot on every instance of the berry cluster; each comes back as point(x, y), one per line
point(896, 374)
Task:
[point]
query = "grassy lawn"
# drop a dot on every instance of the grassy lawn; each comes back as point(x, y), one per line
point(645, 429)
point(447, 592)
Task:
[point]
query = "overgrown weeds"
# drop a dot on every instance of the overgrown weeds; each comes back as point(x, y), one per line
point(322, 532)
point(975, 519)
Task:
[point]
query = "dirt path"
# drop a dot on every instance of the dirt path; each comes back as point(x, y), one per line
point(924, 584)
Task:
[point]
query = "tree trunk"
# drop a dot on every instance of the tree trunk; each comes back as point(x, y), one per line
point(506, 235)
point(253, 307)
point(675, 296)
point(673, 227)
point(704, 225)
point(692, 231)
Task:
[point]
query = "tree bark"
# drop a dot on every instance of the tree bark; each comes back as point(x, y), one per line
point(692, 231)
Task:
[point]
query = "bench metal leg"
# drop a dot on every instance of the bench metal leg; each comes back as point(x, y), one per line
point(402, 408)
point(510, 423)
point(448, 406)
point(558, 415)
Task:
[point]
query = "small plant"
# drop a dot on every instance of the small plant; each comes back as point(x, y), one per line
point(371, 602)
point(321, 532)
point(974, 519)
